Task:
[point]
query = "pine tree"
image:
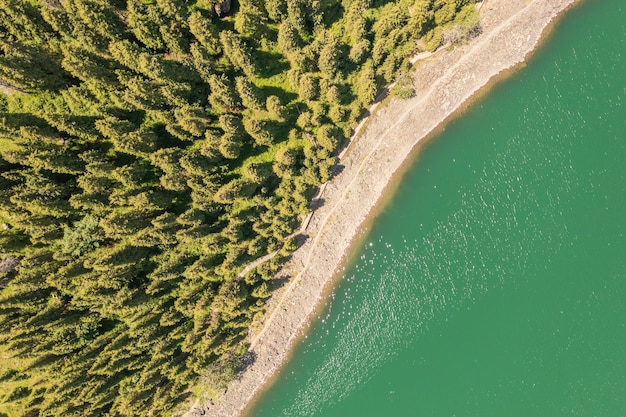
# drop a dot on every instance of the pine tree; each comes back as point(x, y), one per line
point(175, 38)
point(330, 56)
point(192, 119)
point(236, 189)
point(173, 9)
point(230, 146)
point(204, 31)
point(308, 87)
point(249, 93)
point(366, 84)
point(355, 20)
point(298, 16)
point(260, 131)
point(23, 21)
point(101, 17)
point(257, 172)
point(285, 161)
point(166, 159)
point(421, 17)
point(144, 22)
point(30, 67)
point(276, 9)
point(359, 51)
point(202, 61)
point(250, 17)
point(223, 95)
point(237, 53)
point(275, 108)
point(288, 38)
point(327, 137)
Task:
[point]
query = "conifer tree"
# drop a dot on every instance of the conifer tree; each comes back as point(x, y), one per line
point(237, 53)
point(203, 62)
point(276, 9)
point(275, 108)
point(366, 85)
point(144, 22)
point(22, 20)
point(29, 67)
point(260, 131)
point(330, 57)
point(288, 38)
point(298, 16)
point(175, 10)
point(327, 137)
point(250, 17)
point(192, 119)
point(204, 31)
point(175, 38)
point(223, 95)
point(308, 87)
point(100, 16)
point(249, 93)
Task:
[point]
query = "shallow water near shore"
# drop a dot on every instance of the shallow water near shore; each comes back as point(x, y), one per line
point(493, 283)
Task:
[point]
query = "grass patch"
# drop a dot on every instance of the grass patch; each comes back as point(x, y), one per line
point(271, 63)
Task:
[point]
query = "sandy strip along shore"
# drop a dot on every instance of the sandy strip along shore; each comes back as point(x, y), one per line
point(444, 82)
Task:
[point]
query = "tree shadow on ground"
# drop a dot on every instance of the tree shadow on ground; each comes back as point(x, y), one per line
point(270, 64)
point(316, 203)
point(246, 361)
point(338, 169)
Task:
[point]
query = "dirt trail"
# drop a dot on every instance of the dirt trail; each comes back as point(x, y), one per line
point(511, 29)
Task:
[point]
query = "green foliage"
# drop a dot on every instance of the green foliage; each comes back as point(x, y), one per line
point(433, 39)
point(144, 23)
point(466, 25)
point(308, 87)
point(236, 189)
point(257, 172)
point(404, 87)
point(249, 94)
point(366, 84)
point(83, 237)
point(205, 32)
point(237, 53)
point(30, 67)
point(288, 38)
point(421, 16)
point(275, 108)
point(260, 131)
point(223, 96)
point(250, 17)
point(151, 149)
point(276, 9)
point(330, 58)
point(285, 161)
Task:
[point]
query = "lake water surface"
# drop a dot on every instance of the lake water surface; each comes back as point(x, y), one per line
point(494, 282)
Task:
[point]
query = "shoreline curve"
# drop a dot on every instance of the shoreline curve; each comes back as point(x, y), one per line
point(376, 156)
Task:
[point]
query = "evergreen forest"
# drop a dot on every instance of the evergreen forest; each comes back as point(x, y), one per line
point(149, 151)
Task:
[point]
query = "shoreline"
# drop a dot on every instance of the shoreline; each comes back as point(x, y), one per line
point(374, 162)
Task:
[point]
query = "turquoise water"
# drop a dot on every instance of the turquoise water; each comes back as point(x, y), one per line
point(494, 282)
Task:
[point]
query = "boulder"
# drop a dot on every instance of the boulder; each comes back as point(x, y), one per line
point(222, 8)
point(9, 263)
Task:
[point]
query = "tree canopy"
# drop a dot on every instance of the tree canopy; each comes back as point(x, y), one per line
point(150, 150)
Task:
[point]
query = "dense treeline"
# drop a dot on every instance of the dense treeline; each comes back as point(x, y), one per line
point(149, 150)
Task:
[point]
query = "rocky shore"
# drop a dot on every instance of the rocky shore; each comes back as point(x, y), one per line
point(444, 83)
